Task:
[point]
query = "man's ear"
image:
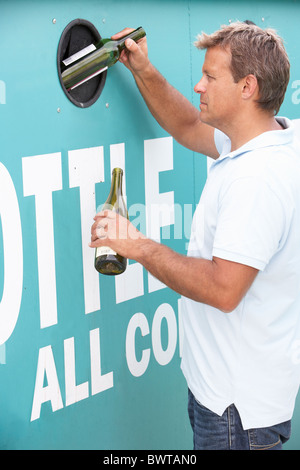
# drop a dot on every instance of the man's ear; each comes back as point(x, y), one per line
point(250, 87)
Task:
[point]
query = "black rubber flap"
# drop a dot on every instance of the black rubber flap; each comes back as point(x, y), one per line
point(76, 36)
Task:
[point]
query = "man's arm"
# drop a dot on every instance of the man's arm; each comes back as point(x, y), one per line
point(217, 282)
point(168, 106)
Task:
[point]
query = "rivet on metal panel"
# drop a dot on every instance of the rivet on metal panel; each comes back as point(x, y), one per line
point(54, 20)
point(262, 19)
point(58, 110)
point(103, 20)
point(107, 105)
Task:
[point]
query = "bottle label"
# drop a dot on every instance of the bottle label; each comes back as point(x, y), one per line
point(79, 54)
point(104, 250)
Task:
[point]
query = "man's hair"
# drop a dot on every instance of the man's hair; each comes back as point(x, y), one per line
point(254, 51)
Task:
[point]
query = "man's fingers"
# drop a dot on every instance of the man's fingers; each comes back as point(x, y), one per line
point(122, 33)
point(106, 213)
point(100, 226)
point(101, 231)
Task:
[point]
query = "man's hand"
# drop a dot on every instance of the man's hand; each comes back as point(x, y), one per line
point(135, 56)
point(113, 230)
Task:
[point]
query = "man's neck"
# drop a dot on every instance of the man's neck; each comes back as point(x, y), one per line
point(247, 130)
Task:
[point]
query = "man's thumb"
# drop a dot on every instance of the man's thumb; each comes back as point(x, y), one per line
point(130, 44)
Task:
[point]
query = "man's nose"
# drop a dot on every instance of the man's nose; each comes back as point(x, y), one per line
point(199, 87)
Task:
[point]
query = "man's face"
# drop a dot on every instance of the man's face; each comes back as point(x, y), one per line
point(219, 94)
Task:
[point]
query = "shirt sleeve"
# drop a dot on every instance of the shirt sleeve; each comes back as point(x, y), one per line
point(250, 224)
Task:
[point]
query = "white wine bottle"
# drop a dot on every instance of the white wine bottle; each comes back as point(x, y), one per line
point(108, 261)
point(94, 59)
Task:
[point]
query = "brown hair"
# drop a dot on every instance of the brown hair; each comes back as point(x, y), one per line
point(258, 52)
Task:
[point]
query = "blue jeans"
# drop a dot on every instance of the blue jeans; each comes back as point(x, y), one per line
point(213, 432)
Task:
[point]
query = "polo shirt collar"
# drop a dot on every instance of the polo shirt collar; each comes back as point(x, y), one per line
point(267, 139)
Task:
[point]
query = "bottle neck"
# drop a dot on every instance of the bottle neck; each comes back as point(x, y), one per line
point(116, 182)
point(137, 34)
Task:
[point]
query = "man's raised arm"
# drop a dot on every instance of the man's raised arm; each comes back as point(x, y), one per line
point(168, 106)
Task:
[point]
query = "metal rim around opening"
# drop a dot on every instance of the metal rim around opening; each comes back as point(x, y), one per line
point(78, 34)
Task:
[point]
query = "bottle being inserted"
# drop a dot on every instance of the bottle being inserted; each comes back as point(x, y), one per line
point(94, 59)
point(108, 261)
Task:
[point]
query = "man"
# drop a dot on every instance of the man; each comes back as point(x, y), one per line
point(241, 281)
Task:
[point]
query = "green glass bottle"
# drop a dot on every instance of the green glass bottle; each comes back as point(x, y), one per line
point(94, 59)
point(108, 261)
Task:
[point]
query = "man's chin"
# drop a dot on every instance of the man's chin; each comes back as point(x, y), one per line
point(205, 119)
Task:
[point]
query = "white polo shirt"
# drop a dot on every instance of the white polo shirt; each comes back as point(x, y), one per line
point(249, 212)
